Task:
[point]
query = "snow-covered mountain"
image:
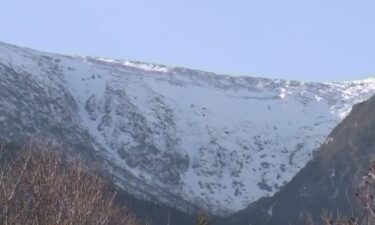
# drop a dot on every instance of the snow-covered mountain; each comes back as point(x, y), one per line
point(182, 137)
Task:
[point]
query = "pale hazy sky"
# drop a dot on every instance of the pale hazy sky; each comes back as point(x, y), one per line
point(292, 39)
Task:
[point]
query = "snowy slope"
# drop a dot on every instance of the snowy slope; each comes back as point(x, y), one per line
point(183, 137)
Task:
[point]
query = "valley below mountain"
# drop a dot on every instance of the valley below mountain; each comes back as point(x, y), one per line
point(188, 139)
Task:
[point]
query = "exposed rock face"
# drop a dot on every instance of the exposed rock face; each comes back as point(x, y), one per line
point(328, 182)
point(178, 136)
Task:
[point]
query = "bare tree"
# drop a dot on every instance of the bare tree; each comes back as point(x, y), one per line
point(365, 195)
point(39, 186)
point(202, 219)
